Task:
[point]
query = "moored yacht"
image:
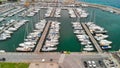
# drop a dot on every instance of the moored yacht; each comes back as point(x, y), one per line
point(105, 42)
point(23, 49)
point(49, 48)
point(88, 49)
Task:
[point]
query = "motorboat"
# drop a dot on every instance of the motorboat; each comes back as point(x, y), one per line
point(88, 49)
point(7, 31)
point(49, 48)
point(106, 47)
point(105, 42)
point(23, 49)
point(89, 46)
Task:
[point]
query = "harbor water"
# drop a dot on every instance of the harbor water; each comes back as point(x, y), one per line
point(68, 41)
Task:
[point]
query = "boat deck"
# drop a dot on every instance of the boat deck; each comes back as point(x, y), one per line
point(97, 46)
point(40, 42)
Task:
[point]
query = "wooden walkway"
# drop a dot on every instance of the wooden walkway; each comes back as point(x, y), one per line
point(53, 12)
point(40, 42)
point(97, 46)
point(76, 13)
point(7, 27)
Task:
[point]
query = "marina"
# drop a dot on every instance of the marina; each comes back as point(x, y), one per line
point(29, 43)
point(59, 34)
point(52, 39)
point(57, 12)
point(82, 37)
point(40, 43)
point(92, 39)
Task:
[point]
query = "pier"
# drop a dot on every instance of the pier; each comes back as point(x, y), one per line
point(40, 42)
point(76, 13)
point(53, 12)
point(7, 27)
point(97, 46)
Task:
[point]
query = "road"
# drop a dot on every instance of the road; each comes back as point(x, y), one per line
point(73, 60)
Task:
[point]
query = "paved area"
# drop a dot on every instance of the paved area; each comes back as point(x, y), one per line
point(73, 60)
point(30, 57)
point(44, 65)
point(61, 59)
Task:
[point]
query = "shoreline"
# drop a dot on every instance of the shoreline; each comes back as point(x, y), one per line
point(103, 7)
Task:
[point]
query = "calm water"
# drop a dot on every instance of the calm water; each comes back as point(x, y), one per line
point(113, 3)
point(18, 36)
point(68, 40)
point(111, 22)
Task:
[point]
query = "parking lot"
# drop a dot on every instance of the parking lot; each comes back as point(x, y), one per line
point(93, 63)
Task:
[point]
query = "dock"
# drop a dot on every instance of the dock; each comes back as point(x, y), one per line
point(76, 13)
point(7, 27)
point(97, 46)
point(41, 41)
point(53, 12)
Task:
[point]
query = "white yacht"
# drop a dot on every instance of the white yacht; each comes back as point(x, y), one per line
point(12, 29)
point(30, 45)
point(105, 42)
point(49, 48)
point(24, 49)
point(1, 19)
point(89, 46)
point(7, 31)
point(88, 49)
point(2, 51)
